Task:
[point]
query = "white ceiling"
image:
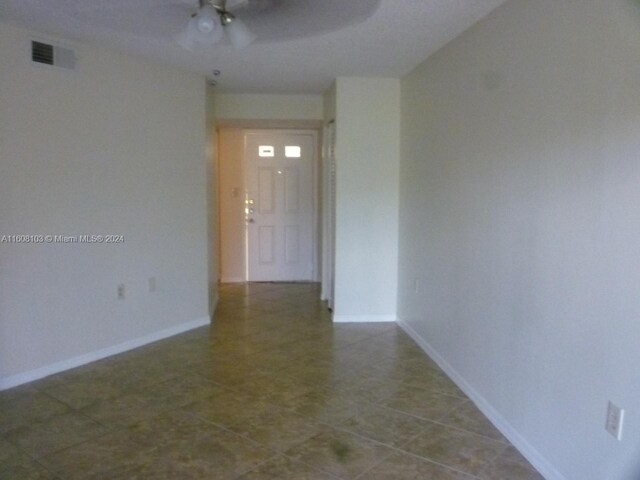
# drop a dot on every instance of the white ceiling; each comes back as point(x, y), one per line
point(303, 44)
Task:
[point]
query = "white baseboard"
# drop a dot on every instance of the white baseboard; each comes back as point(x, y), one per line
point(213, 304)
point(26, 377)
point(232, 280)
point(363, 318)
point(546, 469)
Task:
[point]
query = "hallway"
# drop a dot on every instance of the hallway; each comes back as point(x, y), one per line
point(272, 390)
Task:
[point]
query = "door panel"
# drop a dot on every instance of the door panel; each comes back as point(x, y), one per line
point(266, 242)
point(291, 244)
point(280, 207)
point(266, 193)
point(291, 190)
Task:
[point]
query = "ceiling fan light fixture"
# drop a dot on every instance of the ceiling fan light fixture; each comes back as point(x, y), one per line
point(209, 24)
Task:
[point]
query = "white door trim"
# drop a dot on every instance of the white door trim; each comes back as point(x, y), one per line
point(328, 212)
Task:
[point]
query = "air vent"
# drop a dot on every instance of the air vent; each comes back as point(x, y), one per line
point(47, 54)
point(42, 53)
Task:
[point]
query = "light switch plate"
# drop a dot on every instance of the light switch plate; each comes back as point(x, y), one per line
point(615, 420)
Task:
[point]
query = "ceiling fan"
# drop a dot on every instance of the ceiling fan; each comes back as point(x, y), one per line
point(211, 23)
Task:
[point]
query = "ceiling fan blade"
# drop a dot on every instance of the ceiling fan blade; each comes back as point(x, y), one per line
point(161, 21)
point(249, 5)
point(236, 4)
point(121, 5)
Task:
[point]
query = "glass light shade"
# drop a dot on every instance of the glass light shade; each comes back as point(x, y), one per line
point(187, 37)
point(239, 35)
point(203, 29)
point(207, 19)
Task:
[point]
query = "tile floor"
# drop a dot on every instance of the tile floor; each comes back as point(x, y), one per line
point(273, 390)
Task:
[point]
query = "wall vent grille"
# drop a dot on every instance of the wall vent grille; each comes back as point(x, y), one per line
point(48, 54)
point(42, 53)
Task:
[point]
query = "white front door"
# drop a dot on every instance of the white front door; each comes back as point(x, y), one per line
point(279, 206)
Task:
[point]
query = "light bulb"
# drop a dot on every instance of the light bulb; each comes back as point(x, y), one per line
point(205, 24)
point(207, 18)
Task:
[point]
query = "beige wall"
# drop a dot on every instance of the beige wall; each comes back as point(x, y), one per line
point(519, 222)
point(115, 147)
point(268, 107)
point(329, 104)
point(231, 198)
point(367, 169)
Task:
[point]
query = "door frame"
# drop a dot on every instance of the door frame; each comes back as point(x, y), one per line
point(328, 196)
point(316, 190)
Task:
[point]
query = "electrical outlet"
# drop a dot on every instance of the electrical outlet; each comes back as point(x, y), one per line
point(121, 291)
point(152, 284)
point(615, 420)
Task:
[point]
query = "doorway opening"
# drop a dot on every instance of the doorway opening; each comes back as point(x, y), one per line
point(269, 205)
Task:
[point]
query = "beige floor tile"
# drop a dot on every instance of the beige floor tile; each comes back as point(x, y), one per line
point(123, 411)
point(384, 425)
point(180, 391)
point(282, 468)
point(219, 455)
point(29, 407)
point(229, 372)
point(54, 434)
point(315, 372)
point(81, 373)
point(8, 452)
point(146, 371)
point(10, 455)
point(274, 388)
point(277, 428)
point(89, 459)
point(82, 393)
point(9, 396)
point(227, 408)
point(462, 451)
point(368, 389)
point(402, 466)
point(468, 417)
point(27, 470)
point(339, 453)
point(170, 427)
point(271, 361)
point(423, 403)
point(433, 381)
point(323, 406)
point(510, 465)
point(150, 467)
